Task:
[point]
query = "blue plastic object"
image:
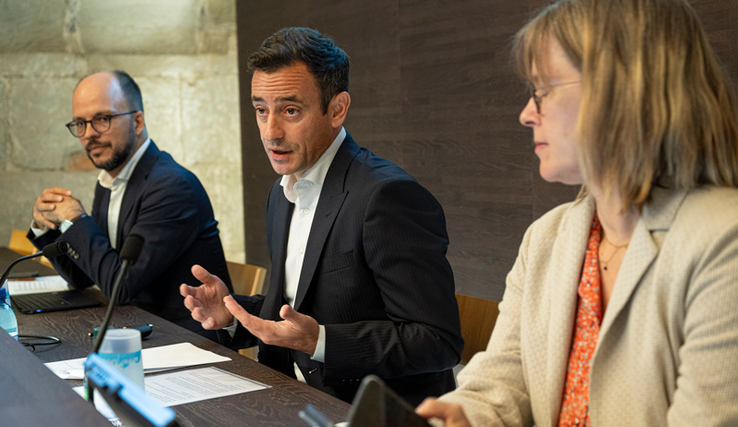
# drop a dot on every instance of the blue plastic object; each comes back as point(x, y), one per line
point(8, 320)
point(126, 398)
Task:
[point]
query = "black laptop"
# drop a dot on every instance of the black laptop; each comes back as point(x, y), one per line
point(52, 301)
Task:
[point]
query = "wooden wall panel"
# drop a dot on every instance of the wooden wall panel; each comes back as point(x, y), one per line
point(434, 90)
point(459, 99)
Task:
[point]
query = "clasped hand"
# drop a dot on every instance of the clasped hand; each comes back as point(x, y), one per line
point(55, 205)
point(212, 306)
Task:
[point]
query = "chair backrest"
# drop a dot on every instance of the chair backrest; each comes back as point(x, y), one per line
point(19, 243)
point(247, 279)
point(478, 318)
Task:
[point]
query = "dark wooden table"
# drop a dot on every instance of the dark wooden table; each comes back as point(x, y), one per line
point(31, 395)
point(276, 406)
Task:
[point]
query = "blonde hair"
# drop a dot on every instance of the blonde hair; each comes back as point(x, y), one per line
point(657, 108)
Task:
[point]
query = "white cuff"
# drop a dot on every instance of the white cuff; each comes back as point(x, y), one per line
point(319, 355)
point(36, 231)
point(232, 329)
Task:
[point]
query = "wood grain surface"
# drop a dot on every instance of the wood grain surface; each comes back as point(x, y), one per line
point(434, 90)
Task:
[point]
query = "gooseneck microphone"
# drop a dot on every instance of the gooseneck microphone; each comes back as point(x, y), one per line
point(126, 398)
point(51, 250)
point(128, 256)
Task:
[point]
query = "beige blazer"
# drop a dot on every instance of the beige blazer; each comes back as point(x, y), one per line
point(667, 353)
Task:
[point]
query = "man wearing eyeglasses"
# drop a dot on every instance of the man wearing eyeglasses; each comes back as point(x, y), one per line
point(140, 190)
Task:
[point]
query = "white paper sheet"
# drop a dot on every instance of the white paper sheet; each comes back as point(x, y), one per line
point(194, 385)
point(38, 286)
point(154, 359)
point(102, 407)
point(178, 356)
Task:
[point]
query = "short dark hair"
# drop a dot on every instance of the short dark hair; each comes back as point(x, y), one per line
point(327, 62)
point(130, 90)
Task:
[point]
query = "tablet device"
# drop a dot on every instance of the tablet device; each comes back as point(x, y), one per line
point(376, 405)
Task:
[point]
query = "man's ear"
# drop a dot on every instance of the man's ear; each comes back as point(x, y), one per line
point(338, 109)
point(138, 117)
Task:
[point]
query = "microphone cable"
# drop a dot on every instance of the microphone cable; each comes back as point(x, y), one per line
point(48, 340)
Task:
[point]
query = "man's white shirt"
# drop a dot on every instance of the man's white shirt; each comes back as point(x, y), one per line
point(304, 193)
point(117, 187)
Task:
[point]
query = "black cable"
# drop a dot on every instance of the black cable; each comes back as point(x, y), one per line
point(49, 341)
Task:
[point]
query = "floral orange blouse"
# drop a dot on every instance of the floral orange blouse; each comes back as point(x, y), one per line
point(575, 405)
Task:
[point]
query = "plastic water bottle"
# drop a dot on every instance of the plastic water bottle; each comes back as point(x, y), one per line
point(7, 315)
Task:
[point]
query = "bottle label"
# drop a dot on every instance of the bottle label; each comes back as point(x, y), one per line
point(8, 320)
point(13, 332)
point(128, 363)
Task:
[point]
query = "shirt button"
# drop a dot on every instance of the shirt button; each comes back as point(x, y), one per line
point(301, 250)
point(305, 211)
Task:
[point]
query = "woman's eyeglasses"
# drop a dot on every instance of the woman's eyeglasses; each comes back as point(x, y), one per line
point(539, 99)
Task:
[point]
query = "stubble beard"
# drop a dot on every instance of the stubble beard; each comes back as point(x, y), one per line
point(119, 156)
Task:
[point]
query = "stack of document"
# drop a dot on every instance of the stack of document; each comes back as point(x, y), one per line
point(38, 286)
point(176, 388)
point(155, 359)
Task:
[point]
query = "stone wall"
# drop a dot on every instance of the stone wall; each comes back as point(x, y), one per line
point(182, 53)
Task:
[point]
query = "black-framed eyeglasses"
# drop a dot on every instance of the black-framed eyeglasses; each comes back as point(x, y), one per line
point(100, 123)
point(539, 99)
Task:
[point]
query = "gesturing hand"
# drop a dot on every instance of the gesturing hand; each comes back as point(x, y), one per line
point(205, 302)
point(297, 331)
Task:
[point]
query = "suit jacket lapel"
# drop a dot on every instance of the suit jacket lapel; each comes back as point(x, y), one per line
point(135, 184)
point(100, 207)
point(642, 251)
point(657, 215)
point(331, 198)
point(280, 217)
point(565, 272)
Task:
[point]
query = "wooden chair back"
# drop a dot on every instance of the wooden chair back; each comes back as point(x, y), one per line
point(247, 279)
point(20, 244)
point(478, 318)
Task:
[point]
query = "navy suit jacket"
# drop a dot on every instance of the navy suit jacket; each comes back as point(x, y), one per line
point(375, 274)
point(166, 205)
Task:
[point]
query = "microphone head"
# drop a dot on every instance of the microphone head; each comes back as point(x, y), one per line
point(55, 249)
point(131, 248)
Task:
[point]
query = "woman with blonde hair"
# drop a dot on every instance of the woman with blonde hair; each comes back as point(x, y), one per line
point(622, 307)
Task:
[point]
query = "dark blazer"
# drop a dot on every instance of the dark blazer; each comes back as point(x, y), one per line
point(375, 274)
point(165, 204)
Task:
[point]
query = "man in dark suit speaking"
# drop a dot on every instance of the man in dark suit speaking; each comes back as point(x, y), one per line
point(140, 190)
point(360, 282)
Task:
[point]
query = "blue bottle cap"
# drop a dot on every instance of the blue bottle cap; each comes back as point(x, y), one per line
point(3, 293)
